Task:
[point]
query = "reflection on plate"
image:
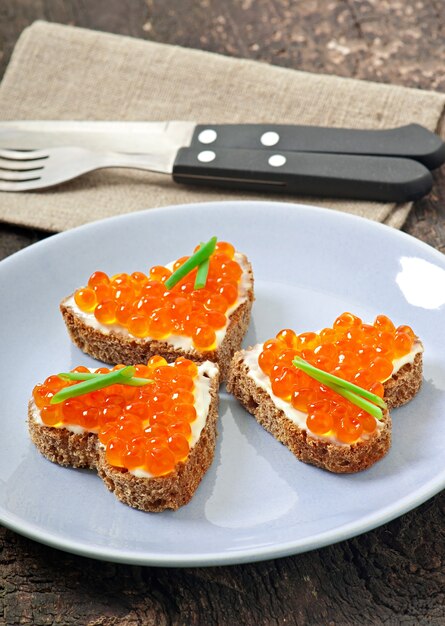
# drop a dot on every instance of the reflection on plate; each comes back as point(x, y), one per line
point(257, 501)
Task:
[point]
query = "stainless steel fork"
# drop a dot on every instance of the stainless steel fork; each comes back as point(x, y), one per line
point(37, 169)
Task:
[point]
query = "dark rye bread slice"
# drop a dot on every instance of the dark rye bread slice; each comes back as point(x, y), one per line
point(62, 446)
point(154, 494)
point(405, 383)
point(338, 458)
point(113, 347)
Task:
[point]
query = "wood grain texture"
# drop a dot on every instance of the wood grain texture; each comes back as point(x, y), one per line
point(392, 575)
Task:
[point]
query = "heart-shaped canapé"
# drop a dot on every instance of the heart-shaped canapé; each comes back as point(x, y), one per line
point(326, 394)
point(149, 430)
point(127, 318)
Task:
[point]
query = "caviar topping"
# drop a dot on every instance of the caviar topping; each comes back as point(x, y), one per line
point(146, 427)
point(360, 353)
point(151, 305)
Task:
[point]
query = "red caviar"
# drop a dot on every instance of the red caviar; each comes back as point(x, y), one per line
point(145, 427)
point(358, 352)
point(142, 304)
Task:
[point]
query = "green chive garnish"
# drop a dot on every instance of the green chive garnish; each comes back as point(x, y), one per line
point(359, 401)
point(134, 382)
point(121, 376)
point(201, 275)
point(362, 398)
point(308, 368)
point(196, 259)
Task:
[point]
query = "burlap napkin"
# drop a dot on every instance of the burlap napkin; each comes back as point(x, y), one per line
point(61, 72)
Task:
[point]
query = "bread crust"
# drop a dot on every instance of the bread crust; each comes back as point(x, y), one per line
point(62, 446)
point(113, 348)
point(405, 383)
point(338, 458)
point(155, 494)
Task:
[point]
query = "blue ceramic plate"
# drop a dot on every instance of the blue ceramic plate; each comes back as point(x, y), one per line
point(257, 501)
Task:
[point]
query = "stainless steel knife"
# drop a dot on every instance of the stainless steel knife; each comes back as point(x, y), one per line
point(383, 165)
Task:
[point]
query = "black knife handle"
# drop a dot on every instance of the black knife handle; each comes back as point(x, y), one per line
point(412, 141)
point(383, 179)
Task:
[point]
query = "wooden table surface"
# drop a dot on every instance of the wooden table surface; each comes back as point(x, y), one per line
point(392, 575)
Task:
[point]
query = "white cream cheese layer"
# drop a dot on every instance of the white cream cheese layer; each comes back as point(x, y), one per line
point(176, 341)
point(298, 417)
point(203, 382)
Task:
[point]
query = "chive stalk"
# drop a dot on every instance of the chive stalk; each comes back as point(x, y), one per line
point(133, 382)
point(364, 399)
point(335, 380)
point(121, 376)
point(196, 259)
point(359, 401)
point(201, 275)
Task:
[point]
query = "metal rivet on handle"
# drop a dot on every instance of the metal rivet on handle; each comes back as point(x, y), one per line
point(277, 160)
point(207, 136)
point(206, 156)
point(270, 138)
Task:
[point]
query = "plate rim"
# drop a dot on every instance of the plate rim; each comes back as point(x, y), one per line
point(250, 204)
point(252, 555)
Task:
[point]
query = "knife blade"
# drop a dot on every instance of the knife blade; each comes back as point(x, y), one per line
point(411, 141)
point(96, 135)
point(303, 160)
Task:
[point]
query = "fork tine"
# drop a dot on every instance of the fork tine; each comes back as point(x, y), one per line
point(8, 164)
point(21, 185)
point(21, 176)
point(23, 155)
point(39, 169)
